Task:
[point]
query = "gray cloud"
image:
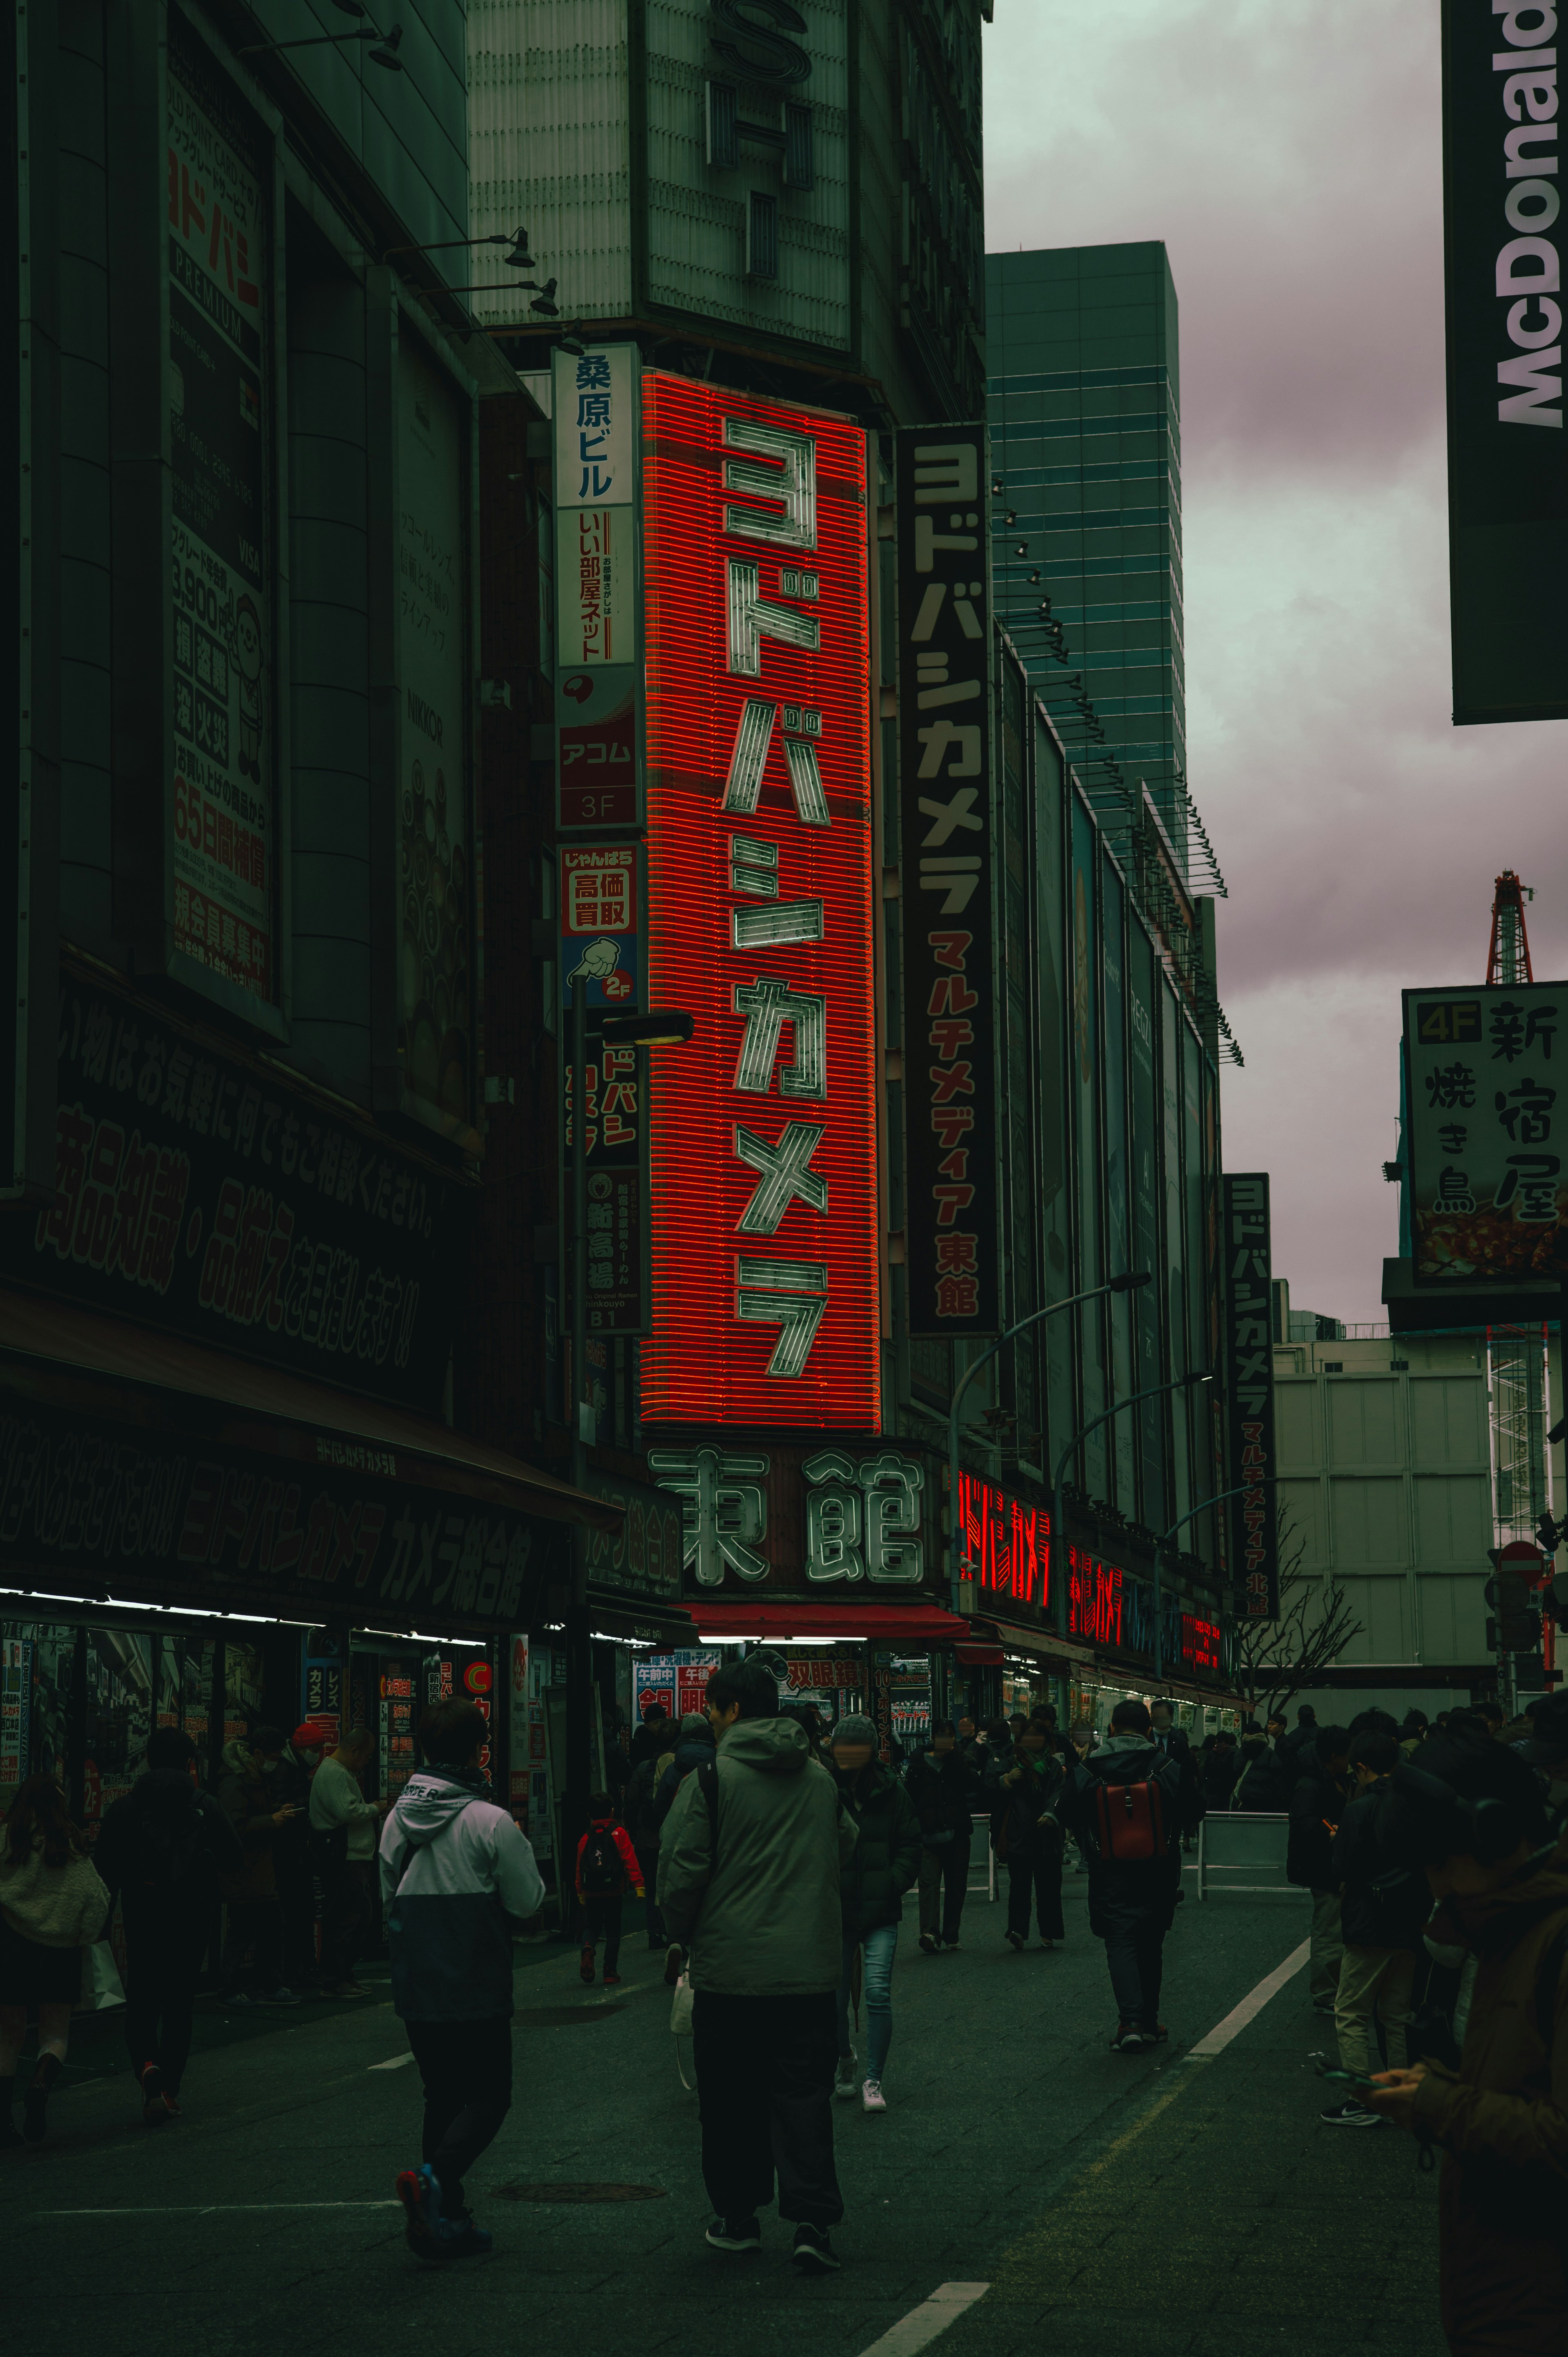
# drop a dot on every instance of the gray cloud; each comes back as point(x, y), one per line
point(1288, 154)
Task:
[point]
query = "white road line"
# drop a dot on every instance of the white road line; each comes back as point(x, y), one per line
point(396, 2063)
point(923, 2323)
point(208, 2208)
point(1251, 2005)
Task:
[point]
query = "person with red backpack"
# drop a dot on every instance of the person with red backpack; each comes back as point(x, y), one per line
point(607, 1869)
point(1125, 1803)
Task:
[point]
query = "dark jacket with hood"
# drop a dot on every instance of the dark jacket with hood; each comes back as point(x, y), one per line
point(945, 1791)
point(1383, 1904)
point(246, 1798)
point(1218, 1771)
point(454, 1868)
point(760, 1912)
point(886, 1855)
point(640, 1806)
point(1129, 1894)
point(1502, 2122)
point(163, 1847)
point(1317, 1809)
point(1265, 1783)
point(692, 1751)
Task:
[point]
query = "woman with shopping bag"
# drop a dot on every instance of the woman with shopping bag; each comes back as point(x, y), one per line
point(53, 1906)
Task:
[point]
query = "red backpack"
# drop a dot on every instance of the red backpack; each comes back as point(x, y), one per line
point(1130, 1821)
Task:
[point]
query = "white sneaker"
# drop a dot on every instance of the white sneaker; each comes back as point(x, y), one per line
point(872, 2097)
point(843, 2078)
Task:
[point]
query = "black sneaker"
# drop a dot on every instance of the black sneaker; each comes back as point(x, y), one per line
point(1351, 2114)
point(813, 2254)
point(929, 1943)
point(1014, 1941)
point(734, 2234)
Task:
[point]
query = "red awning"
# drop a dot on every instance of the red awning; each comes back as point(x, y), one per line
point(853, 1624)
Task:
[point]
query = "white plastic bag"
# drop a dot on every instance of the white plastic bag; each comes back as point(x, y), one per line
point(101, 1984)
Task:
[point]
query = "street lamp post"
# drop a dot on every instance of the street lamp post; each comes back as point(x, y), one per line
point(1160, 1545)
point(662, 1026)
point(1155, 1391)
point(1116, 1285)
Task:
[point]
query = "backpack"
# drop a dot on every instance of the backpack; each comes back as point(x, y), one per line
point(1130, 1821)
point(601, 1873)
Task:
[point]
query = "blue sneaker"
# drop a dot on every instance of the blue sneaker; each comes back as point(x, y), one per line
point(461, 2239)
point(420, 2195)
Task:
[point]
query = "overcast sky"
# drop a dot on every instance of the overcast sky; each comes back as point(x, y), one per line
point(1288, 152)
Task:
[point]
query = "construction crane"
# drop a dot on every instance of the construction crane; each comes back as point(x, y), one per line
point(1508, 958)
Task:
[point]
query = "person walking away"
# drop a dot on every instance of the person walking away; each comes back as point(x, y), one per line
point(344, 1827)
point(294, 1867)
point(649, 1737)
point(1384, 1912)
point(943, 1790)
point(607, 1871)
point(643, 1826)
point(1173, 1742)
point(749, 1867)
point(1262, 1783)
point(53, 1906)
point(1317, 1809)
point(253, 1941)
point(1300, 1746)
point(457, 1873)
point(162, 1848)
point(693, 1749)
point(1030, 1838)
point(1473, 1824)
point(1221, 1767)
point(1126, 1800)
point(884, 1865)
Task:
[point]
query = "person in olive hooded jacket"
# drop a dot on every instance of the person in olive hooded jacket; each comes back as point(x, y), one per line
point(886, 1862)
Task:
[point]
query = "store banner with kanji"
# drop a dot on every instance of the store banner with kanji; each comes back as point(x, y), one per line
point(594, 395)
point(1246, 1255)
point(952, 1232)
point(1482, 1137)
point(601, 933)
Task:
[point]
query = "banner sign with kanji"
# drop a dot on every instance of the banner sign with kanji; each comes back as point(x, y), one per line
point(951, 1235)
point(595, 399)
point(1245, 1251)
point(1484, 1139)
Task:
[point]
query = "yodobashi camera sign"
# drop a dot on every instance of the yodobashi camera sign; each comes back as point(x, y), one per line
point(1507, 454)
point(1487, 1132)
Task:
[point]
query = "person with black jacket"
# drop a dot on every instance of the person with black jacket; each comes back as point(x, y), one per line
point(1221, 1767)
point(642, 1818)
point(1263, 1784)
point(694, 1748)
point(1383, 1910)
point(292, 1865)
point(1299, 1747)
point(880, 1869)
point(162, 1848)
point(944, 1789)
point(1028, 1835)
point(1131, 1899)
point(1317, 1809)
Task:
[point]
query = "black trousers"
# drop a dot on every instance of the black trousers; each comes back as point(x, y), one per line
point(162, 1957)
point(1135, 1955)
point(1041, 1878)
point(296, 1898)
point(602, 1917)
point(345, 1917)
point(466, 2067)
point(254, 1924)
point(944, 1876)
point(765, 2085)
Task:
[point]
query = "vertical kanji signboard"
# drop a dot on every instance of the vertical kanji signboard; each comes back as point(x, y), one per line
point(766, 1302)
point(594, 396)
point(951, 1251)
point(1249, 1394)
point(1483, 1146)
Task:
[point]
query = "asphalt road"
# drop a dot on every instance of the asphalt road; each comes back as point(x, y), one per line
point(1193, 2206)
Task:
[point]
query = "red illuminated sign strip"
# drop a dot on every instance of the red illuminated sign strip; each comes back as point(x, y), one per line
point(1008, 1541)
point(766, 1304)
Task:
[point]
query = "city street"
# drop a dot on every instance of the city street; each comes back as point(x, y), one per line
point(1183, 2206)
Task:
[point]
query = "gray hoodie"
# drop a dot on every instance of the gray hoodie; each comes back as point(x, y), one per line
point(765, 1920)
point(454, 1868)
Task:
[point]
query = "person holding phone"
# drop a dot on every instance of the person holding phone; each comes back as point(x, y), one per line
point(253, 1949)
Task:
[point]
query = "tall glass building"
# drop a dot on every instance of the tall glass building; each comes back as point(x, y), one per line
point(1084, 400)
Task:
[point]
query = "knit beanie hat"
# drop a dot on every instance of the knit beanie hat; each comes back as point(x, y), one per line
point(856, 1729)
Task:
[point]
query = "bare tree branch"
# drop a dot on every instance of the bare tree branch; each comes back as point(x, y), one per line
point(1274, 1659)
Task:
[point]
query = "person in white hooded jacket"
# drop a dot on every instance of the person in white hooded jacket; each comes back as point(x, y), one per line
point(454, 1869)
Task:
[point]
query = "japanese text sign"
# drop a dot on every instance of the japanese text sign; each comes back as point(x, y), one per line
point(1484, 1133)
point(766, 1305)
point(1007, 1541)
point(951, 1249)
point(594, 399)
point(599, 903)
point(1245, 1255)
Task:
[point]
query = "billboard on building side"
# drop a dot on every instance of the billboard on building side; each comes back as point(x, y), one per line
point(1483, 1141)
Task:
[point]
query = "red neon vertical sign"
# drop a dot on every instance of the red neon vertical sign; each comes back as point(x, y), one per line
point(766, 1304)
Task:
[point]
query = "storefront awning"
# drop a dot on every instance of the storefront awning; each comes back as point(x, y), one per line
point(68, 1358)
point(1021, 1639)
point(913, 1624)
